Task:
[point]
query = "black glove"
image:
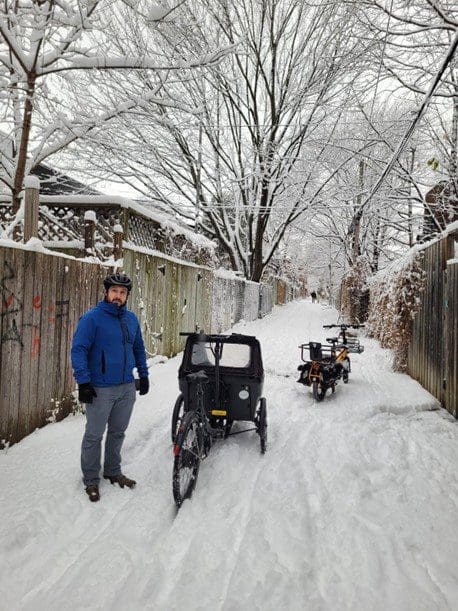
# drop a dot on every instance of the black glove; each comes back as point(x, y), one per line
point(86, 393)
point(143, 386)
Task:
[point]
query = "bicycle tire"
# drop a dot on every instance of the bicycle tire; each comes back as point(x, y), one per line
point(318, 390)
point(227, 428)
point(177, 416)
point(262, 428)
point(346, 371)
point(188, 454)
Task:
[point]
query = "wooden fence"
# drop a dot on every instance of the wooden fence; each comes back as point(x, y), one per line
point(169, 296)
point(433, 350)
point(43, 296)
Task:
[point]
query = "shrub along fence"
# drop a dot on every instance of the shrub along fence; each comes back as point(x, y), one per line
point(43, 295)
point(413, 311)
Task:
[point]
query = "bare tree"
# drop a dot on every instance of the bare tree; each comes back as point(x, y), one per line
point(251, 163)
point(391, 220)
point(414, 36)
point(42, 44)
point(417, 43)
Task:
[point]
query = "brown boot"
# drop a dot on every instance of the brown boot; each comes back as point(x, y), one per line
point(121, 479)
point(93, 493)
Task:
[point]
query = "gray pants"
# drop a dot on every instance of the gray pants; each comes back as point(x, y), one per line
point(113, 407)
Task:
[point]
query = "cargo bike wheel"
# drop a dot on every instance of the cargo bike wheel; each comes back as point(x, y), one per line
point(177, 416)
point(261, 424)
point(346, 370)
point(319, 390)
point(188, 454)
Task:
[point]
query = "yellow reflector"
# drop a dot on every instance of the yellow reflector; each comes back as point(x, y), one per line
point(219, 412)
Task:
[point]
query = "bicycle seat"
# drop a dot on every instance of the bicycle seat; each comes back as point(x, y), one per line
point(332, 340)
point(199, 376)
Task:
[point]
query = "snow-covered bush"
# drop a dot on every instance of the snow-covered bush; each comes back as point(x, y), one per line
point(354, 292)
point(393, 302)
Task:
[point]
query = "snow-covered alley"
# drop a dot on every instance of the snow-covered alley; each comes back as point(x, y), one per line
point(352, 507)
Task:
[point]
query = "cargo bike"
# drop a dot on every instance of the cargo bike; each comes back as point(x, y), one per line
point(221, 380)
point(329, 363)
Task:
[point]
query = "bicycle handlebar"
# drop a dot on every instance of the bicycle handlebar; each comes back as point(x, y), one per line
point(343, 326)
point(199, 333)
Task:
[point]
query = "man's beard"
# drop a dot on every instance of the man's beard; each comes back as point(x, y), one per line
point(116, 301)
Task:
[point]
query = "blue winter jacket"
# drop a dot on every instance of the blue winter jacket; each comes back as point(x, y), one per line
point(107, 345)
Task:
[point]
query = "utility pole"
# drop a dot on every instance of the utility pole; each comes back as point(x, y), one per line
point(454, 144)
point(409, 206)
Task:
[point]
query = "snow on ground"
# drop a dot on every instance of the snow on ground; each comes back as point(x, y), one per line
point(352, 507)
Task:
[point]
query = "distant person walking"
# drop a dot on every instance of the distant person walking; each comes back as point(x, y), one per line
point(107, 345)
point(313, 296)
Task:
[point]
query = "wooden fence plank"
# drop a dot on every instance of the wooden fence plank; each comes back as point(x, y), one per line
point(28, 383)
point(68, 327)
point(3, 326)
point(63, 383)
point(48, 357)
point(451, 356)
point(12, 339)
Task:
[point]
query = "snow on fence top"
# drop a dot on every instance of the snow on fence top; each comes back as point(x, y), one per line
point(406, 259)
point(31, 182)
point(102, 201)
point(162, 255)
point(36, 245)
point(61, 223)
point(90, 215)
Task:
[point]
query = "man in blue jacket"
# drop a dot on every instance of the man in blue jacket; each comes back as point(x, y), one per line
point(107, 345)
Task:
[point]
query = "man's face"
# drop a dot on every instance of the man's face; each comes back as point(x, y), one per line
point(117, 294)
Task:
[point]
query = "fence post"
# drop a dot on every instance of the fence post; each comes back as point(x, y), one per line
point(31, 207)
point(118, 236)
point(89, 232)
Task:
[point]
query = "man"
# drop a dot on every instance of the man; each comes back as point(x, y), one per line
point(107, 345)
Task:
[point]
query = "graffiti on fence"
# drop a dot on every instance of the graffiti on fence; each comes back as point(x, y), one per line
point(12, 334)
point(12, 306)
point(10, 303)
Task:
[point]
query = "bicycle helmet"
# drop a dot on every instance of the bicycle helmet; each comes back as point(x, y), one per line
point(117, 279)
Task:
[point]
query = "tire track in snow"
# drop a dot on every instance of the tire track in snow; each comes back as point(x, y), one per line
point(284, 558)
point(235, 551)
point(197, 538)
point(60, 577)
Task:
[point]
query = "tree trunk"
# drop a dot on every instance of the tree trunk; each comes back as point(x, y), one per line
point(356, 251)
point(256, 261)
point(23, 147)
point(257, 265)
